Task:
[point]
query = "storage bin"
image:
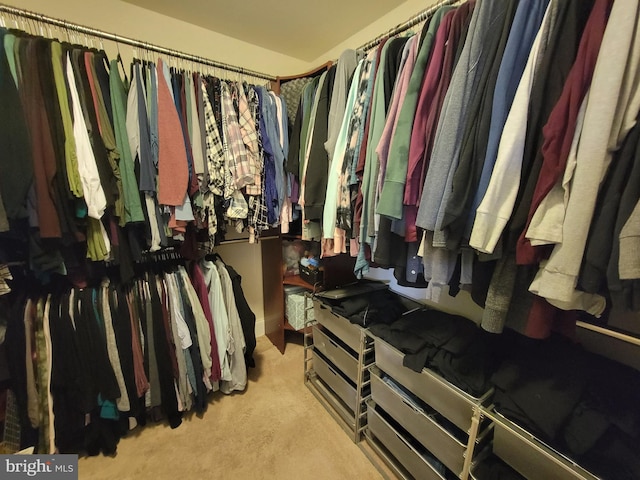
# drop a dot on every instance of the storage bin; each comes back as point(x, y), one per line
point(441, 443)
point(294, 300)
point(447, 399)
point(530, 457)
point(334, 379)
point(399, 447)
point(342, 328)
point(330, 347)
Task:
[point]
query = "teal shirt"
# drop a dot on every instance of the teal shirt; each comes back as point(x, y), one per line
point(392, 195)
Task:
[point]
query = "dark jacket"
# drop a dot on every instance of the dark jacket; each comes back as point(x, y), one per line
point(318, 164)
point(247, 317)
point(16, 167)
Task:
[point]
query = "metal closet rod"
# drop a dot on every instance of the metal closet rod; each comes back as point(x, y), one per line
point(130, 41)
point(413, 21)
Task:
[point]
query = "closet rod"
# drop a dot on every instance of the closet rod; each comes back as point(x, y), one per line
point(423, 15)
point(609, 333)
point(130, 41)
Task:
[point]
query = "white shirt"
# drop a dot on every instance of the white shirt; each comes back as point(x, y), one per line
point(87, 168)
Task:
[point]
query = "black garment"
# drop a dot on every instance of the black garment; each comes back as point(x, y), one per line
point(481, 278)
point(392, 67)
point(382, 306)
point(122, 330)
point(101, 435)
point(611, 398)
point(15, 341)
point(469, 360)
point(450, 345)
point(420, 334)
point(478, 122)
point(292, 162)
point(624, 293)
point(541, 382)
point(67, 388)
point(247, 317)
point(382, 254)
point(615, 456)
point(61, 189)
point(92, 348)
point(16, 166)
point(318, 163)
point(101, 62)
point(601, 233)
point(166, 385)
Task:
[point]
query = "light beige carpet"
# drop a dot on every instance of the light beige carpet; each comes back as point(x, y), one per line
point(276, 429)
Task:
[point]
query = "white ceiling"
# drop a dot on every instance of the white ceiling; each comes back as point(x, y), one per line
point(303, 29)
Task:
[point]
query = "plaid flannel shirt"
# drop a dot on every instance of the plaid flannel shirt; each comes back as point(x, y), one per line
point(214, 147)
point(258, 216)
point(236, 154)
point(250, 139)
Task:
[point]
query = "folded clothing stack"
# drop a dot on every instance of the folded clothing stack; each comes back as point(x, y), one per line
point(453, 346)
point(381, 306)
point(581, 404)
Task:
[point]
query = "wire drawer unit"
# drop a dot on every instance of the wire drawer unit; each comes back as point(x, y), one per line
point(337, 357)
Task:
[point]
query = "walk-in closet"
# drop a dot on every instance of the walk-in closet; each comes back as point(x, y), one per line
point(395, 239)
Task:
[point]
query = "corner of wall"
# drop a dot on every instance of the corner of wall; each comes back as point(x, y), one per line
point(129, 20)
point(395, 17)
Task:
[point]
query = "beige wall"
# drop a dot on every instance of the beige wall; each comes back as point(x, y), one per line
point(395, 17)
point(461, 304)
point(121, 18)
point(128, 20)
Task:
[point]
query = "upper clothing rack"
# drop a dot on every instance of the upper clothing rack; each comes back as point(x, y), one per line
point(130, 41)
point(413, 21)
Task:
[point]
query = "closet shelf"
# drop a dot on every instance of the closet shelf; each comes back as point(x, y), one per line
point(297, 281)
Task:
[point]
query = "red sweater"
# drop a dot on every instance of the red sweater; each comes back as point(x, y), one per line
point(173, 169)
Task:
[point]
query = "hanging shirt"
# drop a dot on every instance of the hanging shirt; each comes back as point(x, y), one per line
point(133, 207)
point(346, 66)
point(224, 334)
point(250, 139)
point(447, 143)
point(92, 188)
point(562, 123)
point(237, 162)
point(173, 169)
point(497, 205)
point(194, 130)
point(138, 132)
point(202, 327)
point(237, 346)
point(391, 195)
point(331, 201)
point(614, 84)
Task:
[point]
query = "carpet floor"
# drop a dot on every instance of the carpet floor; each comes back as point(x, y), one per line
point(276, 429)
